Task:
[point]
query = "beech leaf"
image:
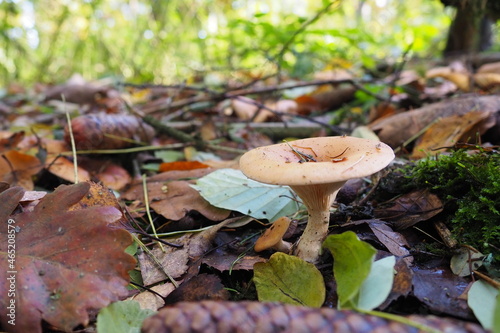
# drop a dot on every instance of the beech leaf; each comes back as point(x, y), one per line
point(66, 262)
point(352, 263)
point(481, 298)
point(289, 279)
point(377, 285)
point(231, 189)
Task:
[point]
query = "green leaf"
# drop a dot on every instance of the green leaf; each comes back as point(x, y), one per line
point(231, 189)
point(353, 259)
point(289, 279)
point(377, 285)
point(122, 317)
point(481, 299)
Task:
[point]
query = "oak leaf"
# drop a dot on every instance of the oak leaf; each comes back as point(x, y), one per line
point(66, 262)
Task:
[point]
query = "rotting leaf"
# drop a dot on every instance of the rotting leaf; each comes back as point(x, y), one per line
point(289, 279)
point(409, 209)
point(67, 262)
point(440, 290)
point(200, 287)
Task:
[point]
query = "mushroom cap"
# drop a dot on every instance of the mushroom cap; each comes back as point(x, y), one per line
point(319, 160)
point(273, 235)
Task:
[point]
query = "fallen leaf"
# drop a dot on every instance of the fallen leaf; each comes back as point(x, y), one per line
point(393, 241)
point(181, 165)
point(397, 129)
point(447, 131)
point(439, 290)
point(465, 261)
point(481, 299)
point(172, 261)
point(289, 279)
point(108, 131)
point(352, 263)
point(66, 263)
point(125, 316)
point(377, 285)
point(97, 195)
point(110, 174)
point(460, 79)
point(9, 141)
point(409, 209)
point(18, 168)
point(231, 189)
point(201, 287)
point(174, 198)
point(402, 285)
point(151, 301)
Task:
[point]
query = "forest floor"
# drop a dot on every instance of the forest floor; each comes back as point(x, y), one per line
point(140, 197)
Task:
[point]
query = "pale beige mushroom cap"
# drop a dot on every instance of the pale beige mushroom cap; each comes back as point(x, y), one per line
point(328, 159)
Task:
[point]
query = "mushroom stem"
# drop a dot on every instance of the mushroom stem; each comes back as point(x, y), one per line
point(318, 199)
point(283, 246)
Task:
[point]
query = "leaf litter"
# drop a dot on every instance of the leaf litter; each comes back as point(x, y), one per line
point(402, 224)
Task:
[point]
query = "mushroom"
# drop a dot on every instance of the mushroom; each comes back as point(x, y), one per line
point(315, 168)
point(272, 238)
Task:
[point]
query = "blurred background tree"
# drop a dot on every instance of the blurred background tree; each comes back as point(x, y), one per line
point(177, 40)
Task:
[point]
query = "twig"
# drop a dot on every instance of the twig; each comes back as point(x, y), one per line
point(146, 202)
point(73, 146)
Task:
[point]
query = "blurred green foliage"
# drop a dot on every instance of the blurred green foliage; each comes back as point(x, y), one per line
point(177, 40)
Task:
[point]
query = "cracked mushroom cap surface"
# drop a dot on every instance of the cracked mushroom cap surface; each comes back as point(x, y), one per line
point(319, 160)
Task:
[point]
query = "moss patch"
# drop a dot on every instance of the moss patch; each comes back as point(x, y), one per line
point(469, 185)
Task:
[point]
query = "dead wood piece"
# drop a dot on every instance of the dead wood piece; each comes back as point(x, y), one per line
point(395, 130)
point(246, 317)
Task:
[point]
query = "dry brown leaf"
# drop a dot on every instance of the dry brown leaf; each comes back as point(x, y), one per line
point(493, 67)
point(173, 261)
point(174, 198)
point(201, 287)
point(450, 130)
point(393, 241)
point(18, 168)
point(148, 300)
point(108, 131)
point(59, 165)
point(409, 209)
point(487, 80)
point(462, 81)
point(397, 129)
point(66, 262)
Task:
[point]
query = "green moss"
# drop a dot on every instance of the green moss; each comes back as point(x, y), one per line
point(469, 185)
